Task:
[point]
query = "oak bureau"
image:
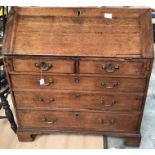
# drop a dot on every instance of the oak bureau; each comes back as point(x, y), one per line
point(79, 70)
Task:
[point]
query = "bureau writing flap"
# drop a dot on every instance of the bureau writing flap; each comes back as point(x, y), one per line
point(103, 32)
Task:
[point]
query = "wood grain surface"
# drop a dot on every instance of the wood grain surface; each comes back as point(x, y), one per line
point(112, 56)
point(78, 100)
point(85, 83)
point(79, 32)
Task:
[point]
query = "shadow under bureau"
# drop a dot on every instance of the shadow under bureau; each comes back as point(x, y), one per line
point(79, 70)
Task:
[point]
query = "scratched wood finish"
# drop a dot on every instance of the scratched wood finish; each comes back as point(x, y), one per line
point(85, 83)
point(78, 100)
point(127, 67)
point(79, 32)
point(96, 70)
point(78, 120)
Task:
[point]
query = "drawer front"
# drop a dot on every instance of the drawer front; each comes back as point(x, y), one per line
point(43, 65)
point(78, 83)
point(78, 100)
point(78, 120)
point(113, 67)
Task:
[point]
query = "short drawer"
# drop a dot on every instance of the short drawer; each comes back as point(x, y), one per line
point(78, 100)
point(78, 83)
point(43, 65)
point(66, 120)
point(114, 67)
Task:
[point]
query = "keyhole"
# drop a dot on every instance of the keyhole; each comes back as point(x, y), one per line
point(77, 115)
point(78, 13)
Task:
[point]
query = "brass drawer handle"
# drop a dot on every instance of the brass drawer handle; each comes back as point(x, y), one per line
point(49, 121)
point(41, 99)
point(111, 85)
point(108, 122)
point(77, 79)
point(113, 102)
point(110, 67)
point(43, 66)
point(50, 81)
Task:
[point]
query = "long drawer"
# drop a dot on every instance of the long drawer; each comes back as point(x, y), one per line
point(78, 100)
point(114, 67)
point(78, 83)
point(86, 121)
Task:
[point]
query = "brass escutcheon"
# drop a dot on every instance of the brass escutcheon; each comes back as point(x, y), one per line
point(77, 96)
point(78, 13)
point(77, 79)
point(77, 115)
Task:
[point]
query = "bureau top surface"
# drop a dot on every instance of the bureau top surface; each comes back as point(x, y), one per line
point(100, 32)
